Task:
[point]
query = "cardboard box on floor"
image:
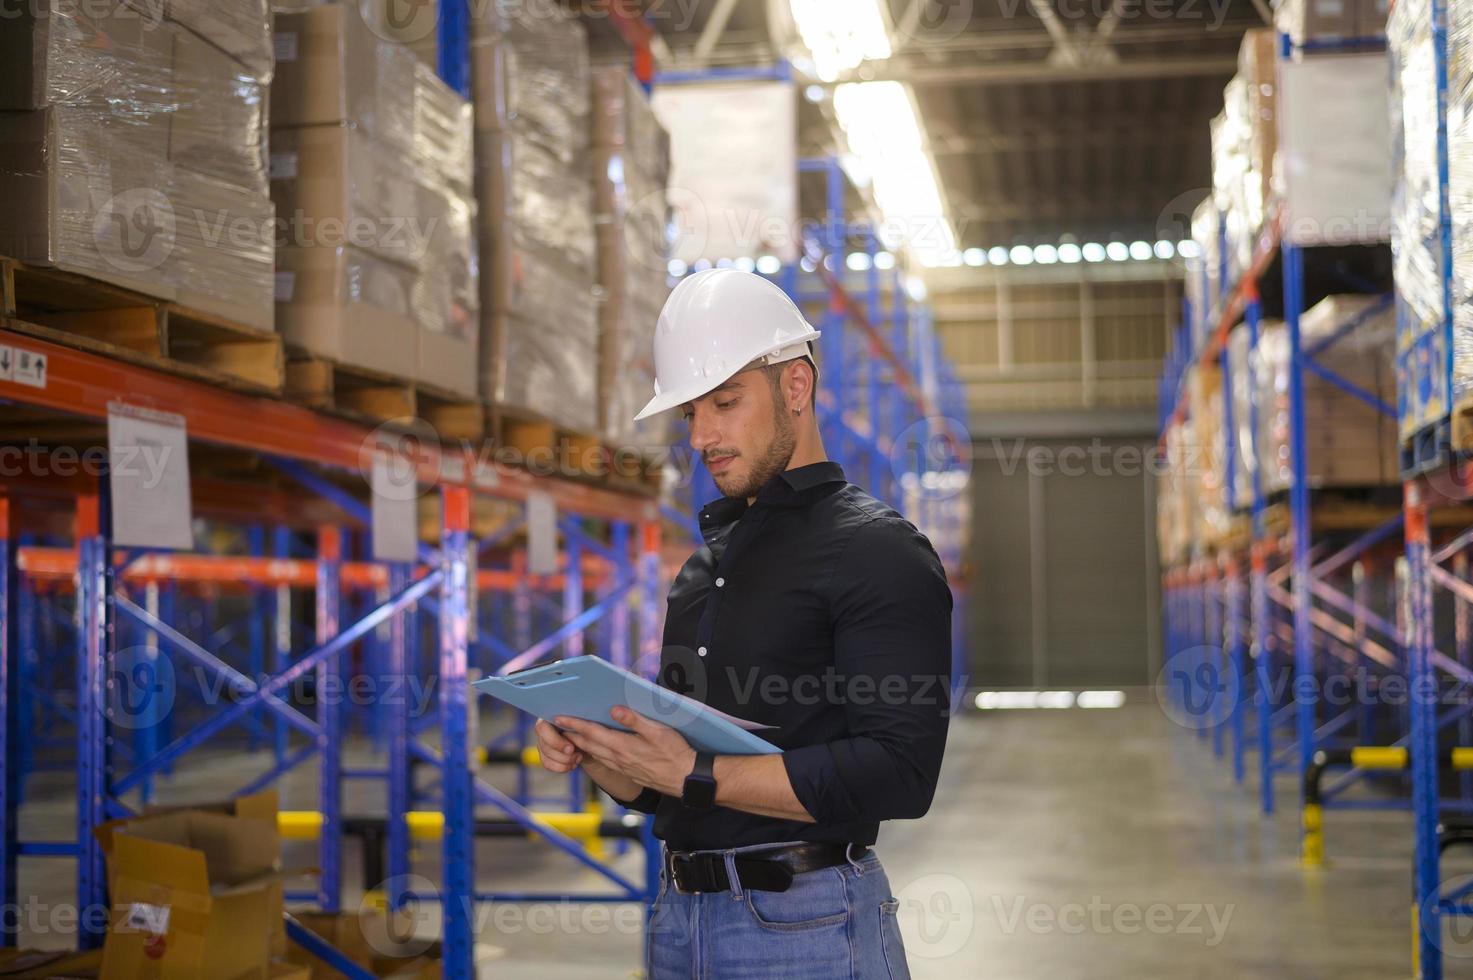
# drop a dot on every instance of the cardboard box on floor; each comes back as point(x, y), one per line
point(349, 933)
point(196, 892)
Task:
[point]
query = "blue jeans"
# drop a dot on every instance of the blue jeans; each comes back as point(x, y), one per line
point(833, 924)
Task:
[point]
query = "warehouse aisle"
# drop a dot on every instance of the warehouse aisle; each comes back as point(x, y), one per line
point(1101, 844)
point(1062, 844)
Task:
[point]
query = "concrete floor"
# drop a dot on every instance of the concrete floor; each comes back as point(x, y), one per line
point(1061, 844)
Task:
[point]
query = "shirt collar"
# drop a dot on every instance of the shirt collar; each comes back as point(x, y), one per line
point(790, 488)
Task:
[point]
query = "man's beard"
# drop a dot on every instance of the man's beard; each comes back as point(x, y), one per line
point(772, 462)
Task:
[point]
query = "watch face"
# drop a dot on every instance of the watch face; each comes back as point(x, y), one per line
point(699, 792)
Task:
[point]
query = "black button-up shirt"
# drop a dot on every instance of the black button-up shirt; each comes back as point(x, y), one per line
point(822, 611)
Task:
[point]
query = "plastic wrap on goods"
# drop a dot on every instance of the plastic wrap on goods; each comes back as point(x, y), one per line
point(442, 130)
point(447, 291)
point(217, 124)
point(1416, 233)
point(224, 256)
point(550, 367)
point(530, 60)
point(331, 68)
point(1206, 292)
point(337, 186)
point(623, 119)
point(1230, 173)
point(1460, 191)
point(85, 197)
point(61, 52)
point(146, 166)
point(551, 205)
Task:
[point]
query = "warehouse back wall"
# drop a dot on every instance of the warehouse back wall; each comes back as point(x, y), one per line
point(1063, 556)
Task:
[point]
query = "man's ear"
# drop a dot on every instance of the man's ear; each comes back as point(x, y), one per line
point(798, 385)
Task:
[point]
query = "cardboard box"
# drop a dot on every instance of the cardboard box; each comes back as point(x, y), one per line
point(364, 939)
point(81, 196)
point(448, 361)
point(347, 305)
point(116, 57)
point(335, 186)
point(331, 68)
point(223, 262)
point(218, 126)
point(195, 892)
point(240, 28)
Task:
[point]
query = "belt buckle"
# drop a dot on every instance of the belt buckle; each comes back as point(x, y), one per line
point(675, 857)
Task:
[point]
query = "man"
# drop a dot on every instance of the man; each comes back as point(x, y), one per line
point(812, 607)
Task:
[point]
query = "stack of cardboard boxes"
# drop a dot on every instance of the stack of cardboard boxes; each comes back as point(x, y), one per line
point(539, 354)
point(1350, 443)
point(1244, 147)
point(371, 173)
point(132, 147)
point(631, 170)
point(195, 892)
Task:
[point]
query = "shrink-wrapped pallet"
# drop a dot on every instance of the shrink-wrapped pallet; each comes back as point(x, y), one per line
point(132, 149)
point(1460, 194)
point(1208, 472)
point(1416, 229)
point(539, 351)
point(631, 161)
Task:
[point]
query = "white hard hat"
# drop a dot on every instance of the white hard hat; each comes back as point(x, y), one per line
point(715, 323)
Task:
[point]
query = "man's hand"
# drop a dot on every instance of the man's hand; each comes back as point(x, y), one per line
point(557, 753)
point(651, 754)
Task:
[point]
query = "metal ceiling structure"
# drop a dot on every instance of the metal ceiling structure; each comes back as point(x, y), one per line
point(1046, 118)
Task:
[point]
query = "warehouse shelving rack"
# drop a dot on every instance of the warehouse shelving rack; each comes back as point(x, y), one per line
point(1437, 484)
point(1284, 586)
point(84, 386)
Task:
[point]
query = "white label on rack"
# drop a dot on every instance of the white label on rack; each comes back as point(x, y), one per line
point(286, 285)
point(28, 368)
point(7, 362)
point(541, 533)
point(148, 472)
point(285, 45)
point(152, 919)
point(284, 166)
point(395, 513)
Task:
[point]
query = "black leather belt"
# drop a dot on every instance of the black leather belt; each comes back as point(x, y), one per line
point(768, 871)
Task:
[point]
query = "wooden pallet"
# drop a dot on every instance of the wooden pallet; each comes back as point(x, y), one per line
point(99, 317)
point(539, 444)
point(375, 398)
point(527, 439)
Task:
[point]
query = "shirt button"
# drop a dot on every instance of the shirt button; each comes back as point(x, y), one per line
point(701, 651)
point(720, 582)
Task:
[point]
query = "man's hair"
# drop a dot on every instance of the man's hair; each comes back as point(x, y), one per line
point(774, 374)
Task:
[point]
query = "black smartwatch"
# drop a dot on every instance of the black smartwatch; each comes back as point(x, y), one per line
point(699, 792)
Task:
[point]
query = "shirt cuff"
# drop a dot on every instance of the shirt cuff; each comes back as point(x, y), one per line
point(815, 780)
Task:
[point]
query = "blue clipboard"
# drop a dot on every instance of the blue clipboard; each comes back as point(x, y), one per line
point(589, 688)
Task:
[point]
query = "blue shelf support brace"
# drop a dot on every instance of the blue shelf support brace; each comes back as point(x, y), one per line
point(458, 855)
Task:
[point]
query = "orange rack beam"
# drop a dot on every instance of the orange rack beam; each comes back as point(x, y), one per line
point(85, 384)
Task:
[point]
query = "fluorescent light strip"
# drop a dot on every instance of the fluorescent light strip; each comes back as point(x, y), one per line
point(1047, 700)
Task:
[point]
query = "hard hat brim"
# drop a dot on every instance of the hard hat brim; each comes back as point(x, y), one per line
point(665, 401)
